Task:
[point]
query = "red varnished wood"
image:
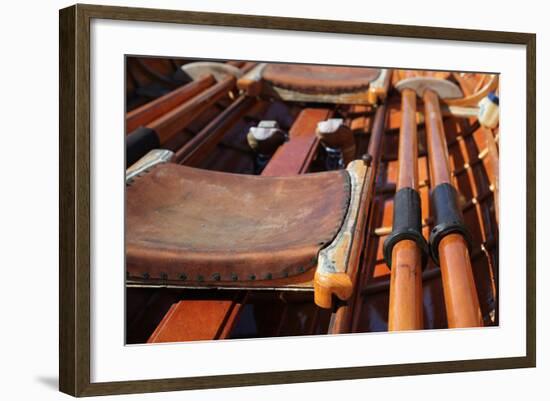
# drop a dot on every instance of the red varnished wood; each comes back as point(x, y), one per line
point(156, 108)
point(294, 156)
point(208, 320)
point(169, 124)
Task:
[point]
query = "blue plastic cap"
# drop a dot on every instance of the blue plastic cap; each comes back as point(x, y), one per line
point(493, 97)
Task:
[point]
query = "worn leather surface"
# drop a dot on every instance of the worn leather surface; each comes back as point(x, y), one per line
point(195, 225)
point(319, 79)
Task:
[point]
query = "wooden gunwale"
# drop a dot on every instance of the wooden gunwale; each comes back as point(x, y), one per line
point(342, 317)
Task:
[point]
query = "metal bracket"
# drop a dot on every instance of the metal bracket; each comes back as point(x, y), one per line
point(151, 159)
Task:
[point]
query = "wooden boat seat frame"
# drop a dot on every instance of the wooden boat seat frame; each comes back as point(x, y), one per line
point(316, 84)
point(193, 228)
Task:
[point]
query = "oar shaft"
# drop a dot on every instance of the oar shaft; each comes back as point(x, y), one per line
point(181, 116)
point(461, 300)
point(405, 308)
point(148, 112)
point(438, 155)
point(405, 311)
point(407, 175)
point(201, 145)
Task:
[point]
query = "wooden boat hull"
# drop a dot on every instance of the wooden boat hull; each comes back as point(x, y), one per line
point(213, 137)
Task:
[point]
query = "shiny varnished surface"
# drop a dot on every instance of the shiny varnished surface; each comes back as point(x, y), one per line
point(405, 306)
point(472, 174)
point(158, 107)
point(209, 320)
point(471, 171)
point(408, 143)
point(295, 155)
point(437, 146)
point(461, 299)
point(169, 124)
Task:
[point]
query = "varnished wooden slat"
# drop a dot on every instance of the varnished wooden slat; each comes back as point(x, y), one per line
point(193, 320)
point(169, 124)
point(296, 154)
point(198, 148)
point(145, 114)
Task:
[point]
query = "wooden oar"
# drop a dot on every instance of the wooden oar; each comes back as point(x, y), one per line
point(159, 131)
point(164, 118)
point(449, 238)
point(153, 110)
point(405, 249)
point(200, 146)
point(178, 118)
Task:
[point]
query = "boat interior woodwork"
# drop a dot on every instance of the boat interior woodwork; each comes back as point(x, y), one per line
point(164, 314)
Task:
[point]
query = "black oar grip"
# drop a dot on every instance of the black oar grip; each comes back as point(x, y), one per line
point(448, 218)
point(139, 142)
point(407, 224)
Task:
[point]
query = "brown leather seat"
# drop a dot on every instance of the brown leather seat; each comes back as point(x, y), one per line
point(187, 225)
point(317, 83)
point(319, 79)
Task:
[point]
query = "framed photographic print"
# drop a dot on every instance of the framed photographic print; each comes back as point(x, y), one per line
point(251, 200)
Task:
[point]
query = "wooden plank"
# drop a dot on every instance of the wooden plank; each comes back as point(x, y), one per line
point(194, 320)
point(198, 147)
point(181, 116)
point(150, 111)
point(295, 155)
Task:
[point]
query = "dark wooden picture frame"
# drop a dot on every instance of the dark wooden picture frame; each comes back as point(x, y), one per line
point(74, 296)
